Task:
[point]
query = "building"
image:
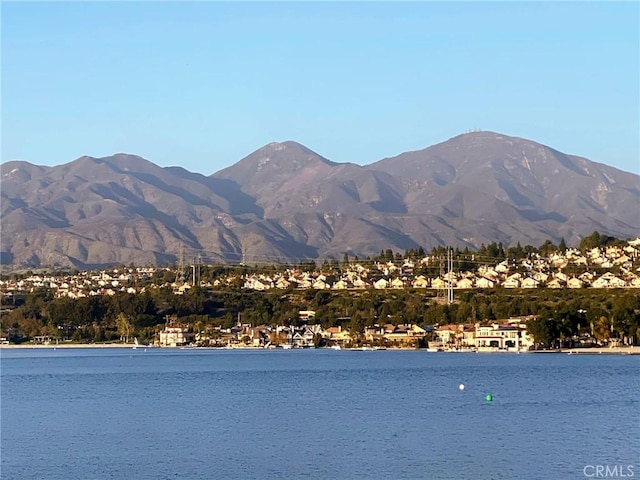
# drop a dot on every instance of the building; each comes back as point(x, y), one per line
point(502, 337)
point(175, 337)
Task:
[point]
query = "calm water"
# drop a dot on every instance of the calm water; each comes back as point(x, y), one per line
point(135, 414)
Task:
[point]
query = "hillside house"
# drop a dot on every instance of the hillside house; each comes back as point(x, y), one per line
point(465, 283)
point(575, 282)
point(420, 282)
point(381, 284)
point(530, 283)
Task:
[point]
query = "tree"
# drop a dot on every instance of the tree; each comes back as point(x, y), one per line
point(277, 338)
point(602, 329)
point(463, 313)
point(562, 246)
point(597, 240)
point(356, 326)
point(543, 331)
point(547, 248)
point(516, 252)
point(124, 326)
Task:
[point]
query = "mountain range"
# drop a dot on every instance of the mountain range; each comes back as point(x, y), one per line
point(286, 203)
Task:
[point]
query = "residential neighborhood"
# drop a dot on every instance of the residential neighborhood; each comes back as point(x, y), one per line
point(569, 269)
point(392, 301)
point(509, 335)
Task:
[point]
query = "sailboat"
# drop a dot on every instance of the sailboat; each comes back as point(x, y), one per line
point(135, 343)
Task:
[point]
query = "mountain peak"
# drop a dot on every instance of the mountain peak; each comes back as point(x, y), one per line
point(274, 160)
point(289, 147)
point(485, 136)
point(110, 159)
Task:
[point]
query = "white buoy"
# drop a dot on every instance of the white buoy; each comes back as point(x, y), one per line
point(461, 386)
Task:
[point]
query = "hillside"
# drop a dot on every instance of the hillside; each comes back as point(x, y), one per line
point(285, 202)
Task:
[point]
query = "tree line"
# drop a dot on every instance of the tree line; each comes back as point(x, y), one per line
point(562, 314)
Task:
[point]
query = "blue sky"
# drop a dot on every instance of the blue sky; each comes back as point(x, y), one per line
point(203, 84)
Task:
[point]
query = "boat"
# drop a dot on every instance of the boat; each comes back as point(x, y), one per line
point(135, 343)
point(336, 347)
point(286, 346)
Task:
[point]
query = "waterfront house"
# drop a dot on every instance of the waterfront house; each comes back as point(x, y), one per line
point(336, 335)
point(509, 335)
point(448, 333)
point(403, 334)
point(175, 337)
point(258, 336)
point(469, 336)
point(373, 334)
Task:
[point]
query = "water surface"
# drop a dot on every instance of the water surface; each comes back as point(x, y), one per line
point(317, 414)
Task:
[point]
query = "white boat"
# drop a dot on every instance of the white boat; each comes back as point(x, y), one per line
point(286, 346)
point(135, 343)
point(336, 347)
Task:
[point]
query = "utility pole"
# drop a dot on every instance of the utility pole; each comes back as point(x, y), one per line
point(449, 274)
point(441, 275)
point(180, 269)
point(195, 267)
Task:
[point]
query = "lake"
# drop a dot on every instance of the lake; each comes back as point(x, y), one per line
point(317, 414)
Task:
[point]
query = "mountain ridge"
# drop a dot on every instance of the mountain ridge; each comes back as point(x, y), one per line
point(284, 202)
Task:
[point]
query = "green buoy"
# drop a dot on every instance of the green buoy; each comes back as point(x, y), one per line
point(488, 397)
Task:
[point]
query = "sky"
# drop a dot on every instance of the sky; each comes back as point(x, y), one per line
point(203, 84)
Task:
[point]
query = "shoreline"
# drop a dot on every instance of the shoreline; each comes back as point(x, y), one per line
point(72, 345)
point(629, 350)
